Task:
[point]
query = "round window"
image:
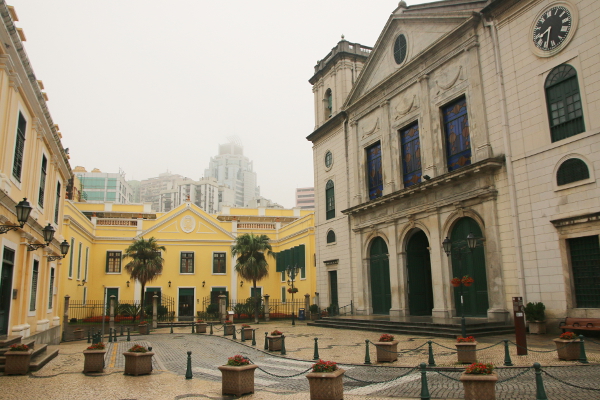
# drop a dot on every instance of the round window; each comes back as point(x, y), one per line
point(400, 49)
point(328, 159)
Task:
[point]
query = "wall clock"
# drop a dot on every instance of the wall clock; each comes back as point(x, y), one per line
point(553, 28)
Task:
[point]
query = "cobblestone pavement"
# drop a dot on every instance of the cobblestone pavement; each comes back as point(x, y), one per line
point(283, 377)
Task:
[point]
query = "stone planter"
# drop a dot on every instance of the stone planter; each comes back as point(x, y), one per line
point(237, 380)
point(138, 363)
point(326, 385)
point(78, 334)
point(479, 387)
point(144, 329)
point(247, 334)
point(387, 351)
point(201, 327)
point(466, 352)
point(229, 328)
point(17, 362)
point(537, 327)
point(93, 360)
point(274, 342)
point(567, 349)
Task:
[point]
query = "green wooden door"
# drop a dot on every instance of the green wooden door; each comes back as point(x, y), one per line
point(186, 303)
point(111, 292)
point(381, 295)
point(333, 291)
point(465, 262)
point(420, 292)
point(6, 278)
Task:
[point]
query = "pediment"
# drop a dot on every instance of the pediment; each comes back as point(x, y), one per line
point(421, 33)
point(188, 222)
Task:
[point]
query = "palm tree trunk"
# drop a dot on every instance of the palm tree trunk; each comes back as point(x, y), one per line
point(255, 302)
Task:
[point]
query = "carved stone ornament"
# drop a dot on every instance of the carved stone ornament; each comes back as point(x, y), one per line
point(369, 131)
point(188, 224)
point(452, 81)
point(408, 105)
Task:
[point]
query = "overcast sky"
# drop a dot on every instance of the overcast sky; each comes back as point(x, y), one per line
point(150, 86)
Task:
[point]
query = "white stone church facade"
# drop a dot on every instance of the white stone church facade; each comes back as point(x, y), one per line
point(465, 117)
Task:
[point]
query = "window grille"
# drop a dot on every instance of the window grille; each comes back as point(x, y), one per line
point(34, 284)
point(458, 139)
point(572, 170)
point(375, 171)
point(329, 200)
point(564, 103)
point(331, 237)
point(585, 265)
point(411, 155)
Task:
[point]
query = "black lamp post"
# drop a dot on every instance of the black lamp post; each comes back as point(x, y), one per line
point(471, 244)
point(48, 233)
point(64, 249)
point(292, 271)
point(23, 211)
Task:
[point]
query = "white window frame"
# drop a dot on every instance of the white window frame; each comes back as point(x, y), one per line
point(31, 313)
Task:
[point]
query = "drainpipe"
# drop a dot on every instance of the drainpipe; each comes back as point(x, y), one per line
point(512, 193)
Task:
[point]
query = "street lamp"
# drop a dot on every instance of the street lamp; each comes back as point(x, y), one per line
point(64, 249)
point(471, 244)
point(292, 271)
point(48, 233)
point(23, 211)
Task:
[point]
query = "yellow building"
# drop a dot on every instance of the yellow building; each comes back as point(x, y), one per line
point(33, 165)
point(198, 265)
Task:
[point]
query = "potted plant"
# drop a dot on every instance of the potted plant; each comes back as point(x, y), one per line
point(325, 381)
point(467, 280)
point(535, 313)
point(293, 290)
point(567, 346)
point(387, 348)
point(138, 360)
point(455, 282)
point(201, 326)
point(94, 358)
point(275, 340)
point(229, 327)
point(18, 357)
point(466, 349)
point(247, 332)
point(479, 382)
point(237, 376)
point(314, 312)
point(144, 328)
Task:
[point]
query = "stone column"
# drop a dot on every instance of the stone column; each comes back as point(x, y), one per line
point(317, 299)
point(307, 306)
point(111, 323)
point(155, 311)
point(222, 308)
point(267, 317)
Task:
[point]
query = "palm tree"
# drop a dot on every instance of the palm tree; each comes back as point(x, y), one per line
point(146, 263)
point(252, 251)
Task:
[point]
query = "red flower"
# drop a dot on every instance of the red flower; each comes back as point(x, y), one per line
point(276, 333)
point(324, 366)
point(568, 336)
point(237, 361)
point(386, 338)
point(461, 339)
point(455, 282)
point(480, 369)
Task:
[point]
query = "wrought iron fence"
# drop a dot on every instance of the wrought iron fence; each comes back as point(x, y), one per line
point(245, 308)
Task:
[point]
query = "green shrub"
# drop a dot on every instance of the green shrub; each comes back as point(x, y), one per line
point(535, 312)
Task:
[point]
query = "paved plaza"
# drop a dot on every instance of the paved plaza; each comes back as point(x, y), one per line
point(283, 377)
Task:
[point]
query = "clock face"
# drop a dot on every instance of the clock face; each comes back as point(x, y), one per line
point(552, 28)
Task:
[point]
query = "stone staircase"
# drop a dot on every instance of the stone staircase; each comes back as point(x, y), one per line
point(42, 353)
point(417, 328)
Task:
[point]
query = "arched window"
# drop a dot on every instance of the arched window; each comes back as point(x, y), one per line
point(329, 200)
point(328, 104)
point(572, 170)
point(564, 103)
point(331, 237)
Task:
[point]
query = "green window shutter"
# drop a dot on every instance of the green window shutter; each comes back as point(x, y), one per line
point(302, 261)
point(186, 292)
point(572, 170)
point(279, 262)
point(71, 258)
point(34, 285)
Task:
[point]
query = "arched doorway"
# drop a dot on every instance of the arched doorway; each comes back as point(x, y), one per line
point(381, 294)
point(418, 264)
point(465, 262)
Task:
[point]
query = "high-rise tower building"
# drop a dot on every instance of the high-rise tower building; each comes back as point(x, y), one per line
point(233, 170)
point(150, 188)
